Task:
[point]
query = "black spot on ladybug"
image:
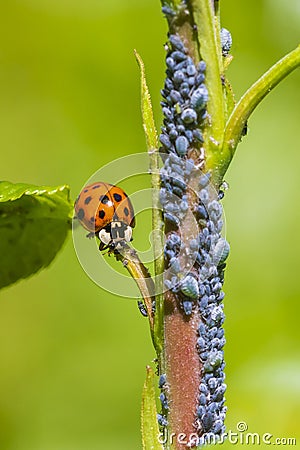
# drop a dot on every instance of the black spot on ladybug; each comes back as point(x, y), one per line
point(117, 197)
point(97, 186)
point(87, 200)
point(126, 212)
point(86, 190)
point(92, 219)
point(101, 214)
point(104, 199)
point(80, 214)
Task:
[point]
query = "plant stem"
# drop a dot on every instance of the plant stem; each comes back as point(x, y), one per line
point(208, 34)
point(247, 104)
point(141, 276)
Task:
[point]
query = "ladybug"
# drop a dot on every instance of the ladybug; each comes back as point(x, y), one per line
point(105, 210)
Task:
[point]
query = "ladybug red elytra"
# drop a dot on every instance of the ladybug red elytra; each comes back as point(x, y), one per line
point(106, 210)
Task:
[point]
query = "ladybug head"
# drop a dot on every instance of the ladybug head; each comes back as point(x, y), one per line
point(116, 235)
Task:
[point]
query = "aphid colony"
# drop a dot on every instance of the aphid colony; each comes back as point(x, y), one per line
point(200, 287)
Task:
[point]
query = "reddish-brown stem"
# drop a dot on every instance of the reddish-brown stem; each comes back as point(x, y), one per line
point(183, 370)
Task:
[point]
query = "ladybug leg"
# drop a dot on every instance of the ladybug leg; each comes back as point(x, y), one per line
point(90, 235)
point(103, 246)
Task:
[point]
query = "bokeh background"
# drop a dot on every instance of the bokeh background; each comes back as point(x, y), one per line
point(72, 357)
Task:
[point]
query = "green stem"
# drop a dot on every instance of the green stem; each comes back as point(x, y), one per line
point(247, 104)
point(141, 276)
point(208, 28)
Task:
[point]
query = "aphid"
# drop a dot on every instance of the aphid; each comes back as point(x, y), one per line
point(226, 41)
point(142, 308)
point(187, 307)
point(202, 66)
point(106, 210)
point(217, 287)
point(176, 42)
point(175, 265)
point(191, 81)
point(162, 420)
point(178, 56)
point(216, 207)
point(181, 145)
point(164, 401)
point(198, 135)
point(175, 96)
point(212, 407)
point(221, 251)
point(214, 360)
point(178, 77)
point(217, 427)
point(164, 139)
point(173, 134)
point(184, 206)
point(203, 195)
point(189, 116)
point(162, 380)
point(204, 180)
point(194, 245)
point(212, 383)
point(169, 84)
point(189, 166)
point(201, 410)
point(191, 70)
point(201, 212)
point(207, 421)
point(202, 399)
point(203, 388)
point(173, 220)
point(179, 182)
point(203, 302)
point(199, 97)
point(221, 194)
point(200, 78)
point(185, 92)
point(189, 287)
point(201, 344)
point(219, 393)
point(167, 11)
point(217, 314)
point(170, 62)
point(189, 135)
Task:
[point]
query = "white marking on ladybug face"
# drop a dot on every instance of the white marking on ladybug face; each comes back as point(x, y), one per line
point(120, 234)
point(104, 236)
point(128, 234)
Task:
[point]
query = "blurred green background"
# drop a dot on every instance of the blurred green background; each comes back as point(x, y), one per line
point(72, 356)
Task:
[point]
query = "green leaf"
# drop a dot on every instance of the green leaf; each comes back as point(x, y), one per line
point(147, 113)
point(229, 98)
point(150, 430)
point(157, 222)
point(34, 221)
